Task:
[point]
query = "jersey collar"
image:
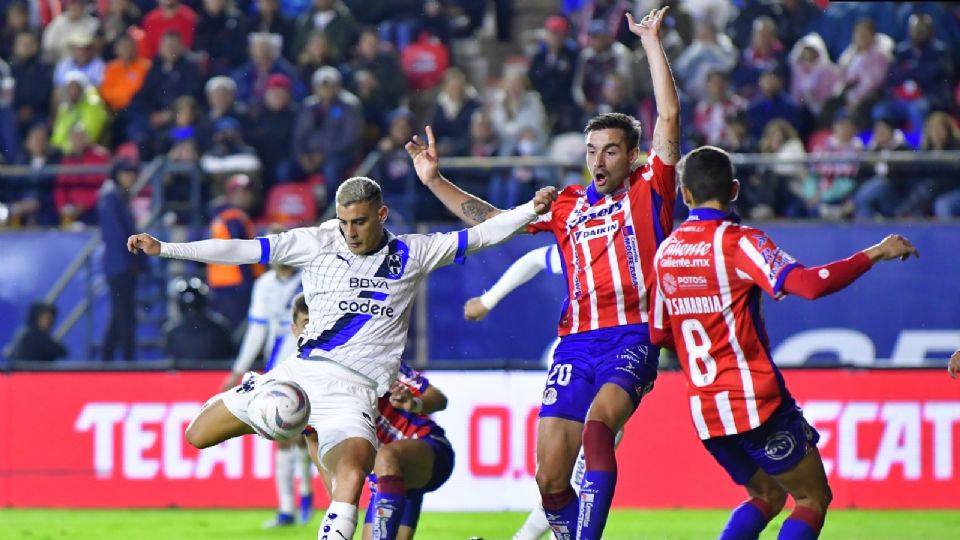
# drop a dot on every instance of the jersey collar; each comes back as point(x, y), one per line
point(711, 214)
point(594, 196)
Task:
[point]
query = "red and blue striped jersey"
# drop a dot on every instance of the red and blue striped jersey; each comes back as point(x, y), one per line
point(397, 424)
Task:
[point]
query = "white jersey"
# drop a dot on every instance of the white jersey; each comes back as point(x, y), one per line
point(360, 304)
point(271, 304)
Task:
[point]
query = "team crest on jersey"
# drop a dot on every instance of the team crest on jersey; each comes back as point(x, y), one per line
point(780, 445)
point(669, 283)
point(550, 396)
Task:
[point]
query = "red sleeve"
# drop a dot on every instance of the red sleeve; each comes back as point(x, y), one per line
point(819, 281)
point(662, 178)
point(762, 261)
point(661, 333)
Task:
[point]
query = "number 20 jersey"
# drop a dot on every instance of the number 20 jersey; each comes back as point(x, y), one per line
point(711, 273)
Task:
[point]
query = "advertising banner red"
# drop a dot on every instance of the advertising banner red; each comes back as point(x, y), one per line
point(889, 439)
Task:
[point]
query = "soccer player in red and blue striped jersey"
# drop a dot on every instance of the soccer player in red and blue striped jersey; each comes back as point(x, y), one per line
point(607, 233)
point(711, 273)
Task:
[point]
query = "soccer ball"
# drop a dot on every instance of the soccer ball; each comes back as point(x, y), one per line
point(280, 410)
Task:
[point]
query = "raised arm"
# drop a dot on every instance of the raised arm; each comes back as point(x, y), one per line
point(470, 208)
point(666, 133)
point(205, 251)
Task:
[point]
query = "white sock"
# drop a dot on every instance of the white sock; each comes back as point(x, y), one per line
point(305, 467)
point(535, 527)
point(283, 473)
point(339, 523)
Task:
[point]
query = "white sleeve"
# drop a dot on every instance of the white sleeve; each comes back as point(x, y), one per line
point(214, 251)
point(294, 247)
point(251, 347)
point(520, 272)
point(442, 249)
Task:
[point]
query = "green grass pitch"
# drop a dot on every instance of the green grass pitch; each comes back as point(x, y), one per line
point(29, 524)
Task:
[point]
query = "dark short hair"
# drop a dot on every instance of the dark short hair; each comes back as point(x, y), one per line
point(299, 306)
point(624, 122)
point(708, 173)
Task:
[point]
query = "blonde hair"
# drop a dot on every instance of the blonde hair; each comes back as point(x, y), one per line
point(359, 189)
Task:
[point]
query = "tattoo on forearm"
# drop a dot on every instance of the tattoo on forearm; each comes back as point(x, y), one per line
point(477, 211)
point(667, 149)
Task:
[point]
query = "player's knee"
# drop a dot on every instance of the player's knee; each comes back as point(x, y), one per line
point(776, 498)
point(551, 483)
point(197, 438)
point(387, 461)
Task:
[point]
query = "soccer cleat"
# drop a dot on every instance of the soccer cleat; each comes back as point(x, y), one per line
point(281, 520)
point(306, 508)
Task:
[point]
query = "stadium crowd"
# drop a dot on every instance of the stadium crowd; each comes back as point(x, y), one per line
point(298, 92)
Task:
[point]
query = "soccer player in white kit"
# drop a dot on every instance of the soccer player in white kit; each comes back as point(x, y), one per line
point(359, 281)
point(269, 334)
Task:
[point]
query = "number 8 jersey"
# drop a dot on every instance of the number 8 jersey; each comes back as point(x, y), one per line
point(710, 273)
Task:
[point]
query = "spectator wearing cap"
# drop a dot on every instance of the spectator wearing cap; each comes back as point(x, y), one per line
point(270, 130)
point(271, 19)
point(171, 75)
point(333, 19)
point(515, 108)
point(710, 52)
point(228, 152)
point(863, 66)
point(73, 20)
point(123, 77)
point(80, 105)
point(551, 75)
point(772, 102)
point(168, 16)
point(231, 285)
point(83, 58)
point(883, 183)
point(373, 56)
point(601, 57)
point(119, 265)
point(456, 104)
point(75, 194)
point(265, 60)
point(34, 89)
point(765, 53)
point(829, 186)
point(197, 334)
point(328, 132)
point(36, 342)
point(219, 37)
point(922, 74)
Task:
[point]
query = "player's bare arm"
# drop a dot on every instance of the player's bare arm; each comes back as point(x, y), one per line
point(666, 132)
point(468, 207)
point(953, 367)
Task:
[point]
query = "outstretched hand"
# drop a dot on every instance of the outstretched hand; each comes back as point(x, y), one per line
point(543, 199)
point(649, 26)
point(892, 247)
point(144, 243)
point(474, 310)
point(400, 396)
point(424, 156)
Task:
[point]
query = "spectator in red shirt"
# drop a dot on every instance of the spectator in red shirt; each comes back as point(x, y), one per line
point(168, 15)
point(75, 194)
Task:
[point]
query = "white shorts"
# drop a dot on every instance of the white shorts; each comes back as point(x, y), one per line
point(343, 403)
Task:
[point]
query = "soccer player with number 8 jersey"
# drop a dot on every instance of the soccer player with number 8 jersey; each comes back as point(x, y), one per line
point(607, 233)
point(710, 276)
